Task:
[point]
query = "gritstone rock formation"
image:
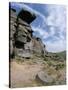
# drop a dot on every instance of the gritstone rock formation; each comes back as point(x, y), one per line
point(22, 42)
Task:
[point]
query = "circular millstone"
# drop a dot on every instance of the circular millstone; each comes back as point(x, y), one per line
point(44, 77)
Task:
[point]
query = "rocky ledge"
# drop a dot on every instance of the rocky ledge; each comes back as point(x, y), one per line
point(22, 42)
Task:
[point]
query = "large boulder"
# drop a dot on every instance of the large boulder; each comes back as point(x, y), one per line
point(44, 78)
point(12, 28)
point(12, 13)
point(38, 46)
point(12, 22)
point(22, 42)
point(23, 39)
point(26, 15)
point(11, 48)
point(22, 34)
point(23, 53)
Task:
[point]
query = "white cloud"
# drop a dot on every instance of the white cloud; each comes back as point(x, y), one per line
point(41, 32)
point(21, 5)
point(56, 21)
point(57, 24)
point(57, 46)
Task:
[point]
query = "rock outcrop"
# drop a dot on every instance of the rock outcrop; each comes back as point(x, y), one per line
point(44, 78)
point(22, 42)
point(13, 24)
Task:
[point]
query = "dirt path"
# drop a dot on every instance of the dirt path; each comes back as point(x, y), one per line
point(24, 74)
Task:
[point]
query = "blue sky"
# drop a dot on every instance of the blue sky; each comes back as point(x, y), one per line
point(49, 25)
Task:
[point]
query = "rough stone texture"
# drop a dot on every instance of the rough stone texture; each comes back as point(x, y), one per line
point(13, 24)
point(38, 46)
point(21, 38)
point(44, 77)
point(29, 45)
point(22, 34)
point(23, 53)
point(11, 47)
point(27, 16)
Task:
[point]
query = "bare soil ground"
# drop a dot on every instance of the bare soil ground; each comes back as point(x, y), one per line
point(23, 74)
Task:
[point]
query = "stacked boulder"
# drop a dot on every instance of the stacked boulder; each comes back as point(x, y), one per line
point(22, 42)
point(13, 24)
point(24, 34)
point(38, 46)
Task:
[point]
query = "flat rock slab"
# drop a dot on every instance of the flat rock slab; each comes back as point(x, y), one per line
point(44, 77)
point(27, 16)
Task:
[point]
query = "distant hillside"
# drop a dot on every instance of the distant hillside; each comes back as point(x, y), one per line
point(56, 56)
point(62, 54)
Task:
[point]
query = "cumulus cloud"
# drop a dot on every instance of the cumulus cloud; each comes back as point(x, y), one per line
point(22, 5)
point(52, 28)
point(57, 19)
point(57, 46)
point(40, 31)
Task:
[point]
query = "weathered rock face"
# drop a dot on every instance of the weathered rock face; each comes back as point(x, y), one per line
point(13, 25)
point(23, 34)
point(38, 46)
point(26, 16)
point(22, 43)
point(44, 78)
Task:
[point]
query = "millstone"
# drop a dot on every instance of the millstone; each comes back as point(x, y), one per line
point(44, 77)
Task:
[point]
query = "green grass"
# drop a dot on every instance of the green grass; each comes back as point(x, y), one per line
point(59, 66)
